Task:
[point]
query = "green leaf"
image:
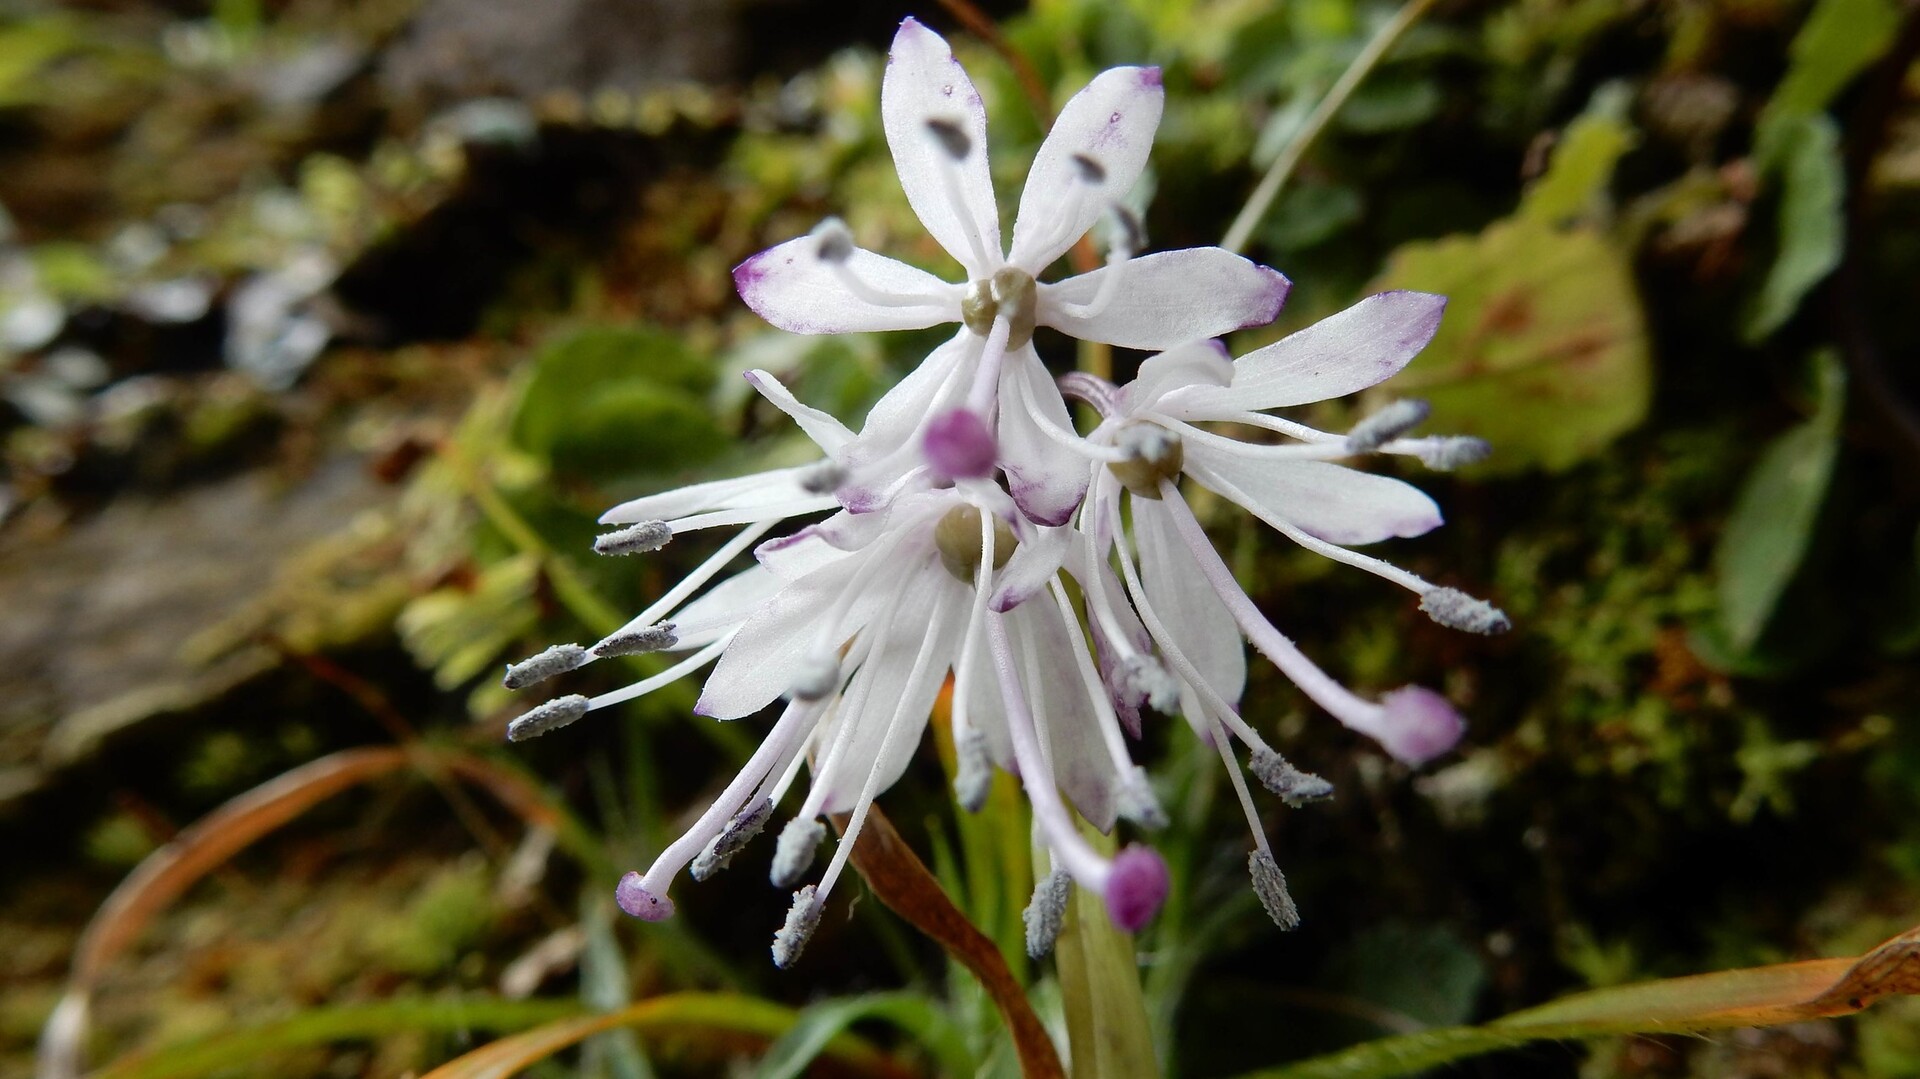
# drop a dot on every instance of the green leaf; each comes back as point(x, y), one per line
point(1811, 221)
point(1108, 1031)
point(1390, 103)
point(1772, 522)
point(1426, 973)
point(1543, 350)
point(244, 1047)
point(608, 402)
point(1757, 996)
point(819, 1024)
point(1307, 214)
point(1837, 42)
point(1583, 161)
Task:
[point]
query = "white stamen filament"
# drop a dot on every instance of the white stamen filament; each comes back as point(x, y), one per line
point(1378, 567)
point(1110, 734)
point(1225, 746)
point(1071, 851)
point(671, 674)
point(691, 583)
point(1085, 447)
point(895, 724)
point(746, 515)
point(1361, 715)
point(983, 398)
point(960, 710)
point(1109, 287)
point(880, 298)
point(984, 262)
point(1258, 451)
point(695, 839)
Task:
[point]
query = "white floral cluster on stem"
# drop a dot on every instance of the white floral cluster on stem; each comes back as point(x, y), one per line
point(953, 531)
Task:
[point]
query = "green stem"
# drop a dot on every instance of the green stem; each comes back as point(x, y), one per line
point(1269, 188)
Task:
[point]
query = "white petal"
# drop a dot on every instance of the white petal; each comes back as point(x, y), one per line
point(722, 607)
point(794, 556)
point(1338, 504)
point(1204, 630)
point(924, 82)
point(895, 694)
point(898, 415)
point(1034, 563)
point(1168, 298)
point(1201, 363)
point(1359, 347)
point(1082, 767)
point(827, 433)
point(741, 492)
point(1047, 480)
point(790, 286)
point(772, 648)
point(1112, 122)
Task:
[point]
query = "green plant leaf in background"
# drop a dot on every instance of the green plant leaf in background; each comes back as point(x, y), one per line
point(821, 1023)
point(1773, 519)
point(1797, 148)
point(606, 402)
point(1108, 1032)
point(1811, 221)
point(1725, 1000)
point(1543, 351)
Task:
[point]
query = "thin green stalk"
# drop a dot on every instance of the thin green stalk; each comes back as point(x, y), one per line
point(1269, 188)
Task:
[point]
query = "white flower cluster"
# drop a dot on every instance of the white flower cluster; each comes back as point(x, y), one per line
point(959, 510)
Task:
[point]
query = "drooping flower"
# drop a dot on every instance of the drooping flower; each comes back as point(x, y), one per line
point(935, 127)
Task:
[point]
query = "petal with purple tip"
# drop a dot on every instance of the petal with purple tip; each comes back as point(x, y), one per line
point(1338, 504)
point(1110, 122)
point(1348, 352)
point(953, 198)
point(1167, 298)
point(790, 286)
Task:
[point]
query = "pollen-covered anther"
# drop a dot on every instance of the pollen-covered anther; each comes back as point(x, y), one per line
point(559, 659)
point(550, 716)
point(1448, 452)
point(823, 478)
point(957, 538)
point(817, 678)
point(634, 539)
point(637, 642)
point(951, 136)
point(1134, 800)
point(1136, 887)
point(736, 835)
point(802, 919)
point(973, 770)
point(1146, 678)
point(1046, 912)
point(1153, 454)
point(1271, 886)
point(959, 446)
point(833, 241)
point(793, 851)
point(1293, 786)
point(1090, 170)
point(634, 898)
point(1389, 423)
point(1455, 609)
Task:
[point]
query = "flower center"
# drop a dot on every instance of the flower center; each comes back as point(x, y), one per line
point(1010, 292)
point(1153, 454)
point(958, 538)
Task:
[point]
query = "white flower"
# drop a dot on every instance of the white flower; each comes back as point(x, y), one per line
point(936, 128)
point(869, 614)
point(1149, 437)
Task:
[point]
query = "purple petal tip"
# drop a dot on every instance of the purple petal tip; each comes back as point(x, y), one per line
point(1419, 725)
point(641, 903)
point(1150, 76)
point(1136, 888)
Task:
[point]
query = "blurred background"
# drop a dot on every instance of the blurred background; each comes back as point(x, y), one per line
point(328, 328)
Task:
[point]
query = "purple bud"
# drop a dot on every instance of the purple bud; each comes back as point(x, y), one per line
point(959, 446)
point(641, 903)
point(1136, 888)
point(1418, 725)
